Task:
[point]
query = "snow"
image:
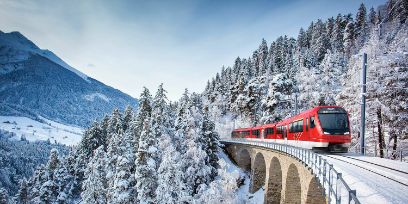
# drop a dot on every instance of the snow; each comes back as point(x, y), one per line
point(51, 56)
point(395, 164)
point(242, 194)
point(22, 49)
point(91, 97)
point(371, 187)
point(34, 130)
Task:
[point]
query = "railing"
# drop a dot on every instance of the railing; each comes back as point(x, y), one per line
point(330, 179)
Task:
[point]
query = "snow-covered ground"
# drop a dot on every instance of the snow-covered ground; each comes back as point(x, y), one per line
point(242, 194)
point(33, 130)
point(369, 181)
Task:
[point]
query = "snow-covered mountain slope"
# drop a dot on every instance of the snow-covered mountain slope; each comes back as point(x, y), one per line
point(35, 82)
point(33, 130)
point(14, 47)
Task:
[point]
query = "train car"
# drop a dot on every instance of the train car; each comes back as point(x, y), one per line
point(322, 127)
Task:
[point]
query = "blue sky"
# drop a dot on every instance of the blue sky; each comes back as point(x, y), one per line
point(181, 43)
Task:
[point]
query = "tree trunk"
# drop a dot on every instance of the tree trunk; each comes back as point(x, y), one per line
point(394, 145)
point(381, 142)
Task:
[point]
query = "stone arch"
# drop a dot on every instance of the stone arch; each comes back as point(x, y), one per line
point(244, 160)
point(293, 188)
point(273, 195)
point(315, 192)
point(258, 173)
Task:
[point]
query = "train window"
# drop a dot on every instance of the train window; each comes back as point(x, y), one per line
point(245, 133)
point(279, 130)
point(269, 131)
point(300, 126)
point(233, 134)
point(312, 122)
point(236, 134)
point(256, 133)
point(296, 126)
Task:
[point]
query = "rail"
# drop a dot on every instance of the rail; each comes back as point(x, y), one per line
point(335, 188)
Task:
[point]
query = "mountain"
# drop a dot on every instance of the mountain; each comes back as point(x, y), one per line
point(36, 84)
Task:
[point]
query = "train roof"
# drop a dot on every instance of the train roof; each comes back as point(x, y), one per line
point(312, 110)
point(242, 129)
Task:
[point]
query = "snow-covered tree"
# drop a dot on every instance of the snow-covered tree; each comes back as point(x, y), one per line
point(171, 187)
point(92, 139)
point(349, 38)
point(210, 141)
point(115, 122)
point(127, 118)
point(146, 165)
point(22, 195)
point(4, 196)
point(361, 26)
point(221, 190)
point(195, 159)
point(95, 186)
point(144, 112)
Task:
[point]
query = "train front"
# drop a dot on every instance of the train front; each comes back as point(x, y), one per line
point(334, 128)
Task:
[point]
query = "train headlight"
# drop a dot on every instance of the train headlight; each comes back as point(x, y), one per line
point(326, 133)
point(346, 133)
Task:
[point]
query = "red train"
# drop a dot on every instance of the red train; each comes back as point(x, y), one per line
point(322, 127)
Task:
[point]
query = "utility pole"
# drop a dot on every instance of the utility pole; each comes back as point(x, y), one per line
point(363, 103)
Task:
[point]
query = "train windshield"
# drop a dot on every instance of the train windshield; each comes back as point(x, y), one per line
point(334, 121)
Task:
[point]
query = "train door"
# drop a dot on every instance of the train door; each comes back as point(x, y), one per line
point(307, 132)
point(312, 129)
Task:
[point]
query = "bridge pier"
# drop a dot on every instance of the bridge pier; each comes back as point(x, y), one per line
point(284, 178)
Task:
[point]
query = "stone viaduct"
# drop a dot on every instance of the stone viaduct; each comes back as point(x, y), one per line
point(285, 179)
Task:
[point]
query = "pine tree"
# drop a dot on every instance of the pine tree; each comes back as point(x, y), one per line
point(103, 126)
point(262, 58)
point(210, 141)
point(64, 181)
point(302, 39)
point(337, 36)
point(194, 159)
point(123, 190)
point(320, 40)
point(171, 188)
point(402, 12)
point(4, 199)
point(221, 190)
point(183, 105)
point(372, 17)
point(127, 118)
point(95, 184)
point(113, 155)
point(92, 139)
point(115, 123)
point(22, 195)
point(144, 112)
point(360, 26)
point(279, 104)
point(330, 27)
point(146, 165)
point(48, 191)
point(161, 121)
point(349, 39)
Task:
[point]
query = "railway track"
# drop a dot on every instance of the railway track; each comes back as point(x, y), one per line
point(390, 173)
